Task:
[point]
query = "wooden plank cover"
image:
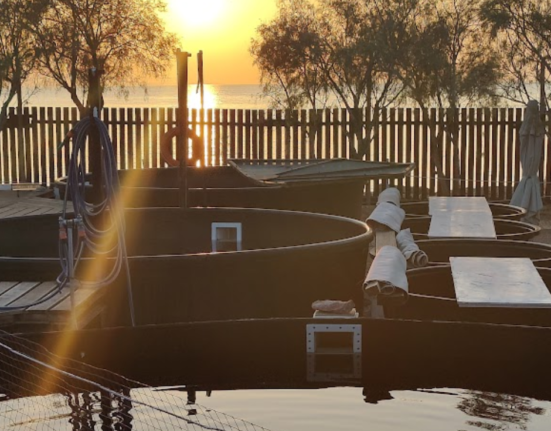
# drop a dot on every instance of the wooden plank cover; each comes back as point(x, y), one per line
point(469, 224)
point(454, 204)
point(16, 292)
point(498, 282)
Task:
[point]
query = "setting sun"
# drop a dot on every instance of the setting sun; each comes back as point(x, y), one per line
point(222, 29)
point(193, 15)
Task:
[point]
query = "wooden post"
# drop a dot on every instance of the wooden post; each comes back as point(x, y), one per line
point(182, 121)
point(200, 78)
point(541, 79)
point(95, 104)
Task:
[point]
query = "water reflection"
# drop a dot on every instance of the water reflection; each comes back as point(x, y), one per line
point(498, 411)
point(147, 409)
point(104, 409)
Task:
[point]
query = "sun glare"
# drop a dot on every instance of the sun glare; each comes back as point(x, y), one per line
point(190, 15)
point(209, 99)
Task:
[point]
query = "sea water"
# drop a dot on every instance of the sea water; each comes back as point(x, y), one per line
point(215, 96)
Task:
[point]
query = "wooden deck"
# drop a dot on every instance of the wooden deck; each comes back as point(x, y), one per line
point(57, 311)
point(23, 204)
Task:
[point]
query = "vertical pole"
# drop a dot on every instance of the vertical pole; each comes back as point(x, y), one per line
point(200, 78)
point(542, 86)
point(182, 121)
point(95, 105)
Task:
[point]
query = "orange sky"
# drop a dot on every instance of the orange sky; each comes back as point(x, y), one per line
point(223, 30)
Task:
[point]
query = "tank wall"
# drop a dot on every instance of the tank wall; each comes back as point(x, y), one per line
point(505, 229)
point(171, 231)
point(269, 284)
point(210, 176)
point(440, 251)
point(26, 237)
point(499, 210)
point(437, 282)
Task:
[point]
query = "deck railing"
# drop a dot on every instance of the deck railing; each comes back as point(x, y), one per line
point(474, 152)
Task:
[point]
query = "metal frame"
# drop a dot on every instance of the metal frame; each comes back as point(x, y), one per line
point(313, 329)
point(226, 225)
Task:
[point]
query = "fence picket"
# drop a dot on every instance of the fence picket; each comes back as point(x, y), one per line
point(483, 159)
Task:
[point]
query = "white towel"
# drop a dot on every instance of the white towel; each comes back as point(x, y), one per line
point(391, 194)
point(415, 257)
point(388, 215)
point(389, 270)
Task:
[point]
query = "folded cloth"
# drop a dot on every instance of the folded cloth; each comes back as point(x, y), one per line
point(327, 314)
point(391, 195)
point(333, 306)
point(388, 215)
point(388, 272)
point(405, 242)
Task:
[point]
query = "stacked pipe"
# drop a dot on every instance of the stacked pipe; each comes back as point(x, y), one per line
point(389, 214)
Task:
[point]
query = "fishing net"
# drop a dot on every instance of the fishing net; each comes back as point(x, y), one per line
point(41, 391)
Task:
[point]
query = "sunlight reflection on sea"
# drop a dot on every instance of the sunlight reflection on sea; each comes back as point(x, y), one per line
point(216, 96)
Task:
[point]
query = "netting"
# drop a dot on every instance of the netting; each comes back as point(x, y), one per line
point(41, 391)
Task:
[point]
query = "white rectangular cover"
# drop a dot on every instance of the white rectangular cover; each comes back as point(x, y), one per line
point(468, 224)
point(498, 282)
point(454, 204)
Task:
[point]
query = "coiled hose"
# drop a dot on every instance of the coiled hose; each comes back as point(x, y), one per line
point(97, 222)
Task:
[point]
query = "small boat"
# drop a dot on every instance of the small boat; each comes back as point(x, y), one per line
point(333, 186)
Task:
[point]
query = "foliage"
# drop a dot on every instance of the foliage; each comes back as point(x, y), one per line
point(17, 52)
point(523, 29)
point(313, 51)
point(449, 59)
point(125, 39)
point(287, 52)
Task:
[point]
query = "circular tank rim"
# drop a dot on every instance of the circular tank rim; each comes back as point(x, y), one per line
point(519, 211)
point(472, 243)
point(366, 234)
point(529, 230)
point(62, 182)
point(419, 272)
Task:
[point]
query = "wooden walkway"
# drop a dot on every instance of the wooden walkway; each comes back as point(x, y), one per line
point(22, 296)
point(56, 311)
point(22, 204)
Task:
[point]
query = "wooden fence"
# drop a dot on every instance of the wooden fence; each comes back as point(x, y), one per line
point(482, 160)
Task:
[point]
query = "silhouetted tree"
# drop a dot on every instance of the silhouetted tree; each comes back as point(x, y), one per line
point(523, 29)
point(331, 47)
point(17, 51)
point(125, 39)
point(447, 59)
point(17, 62)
